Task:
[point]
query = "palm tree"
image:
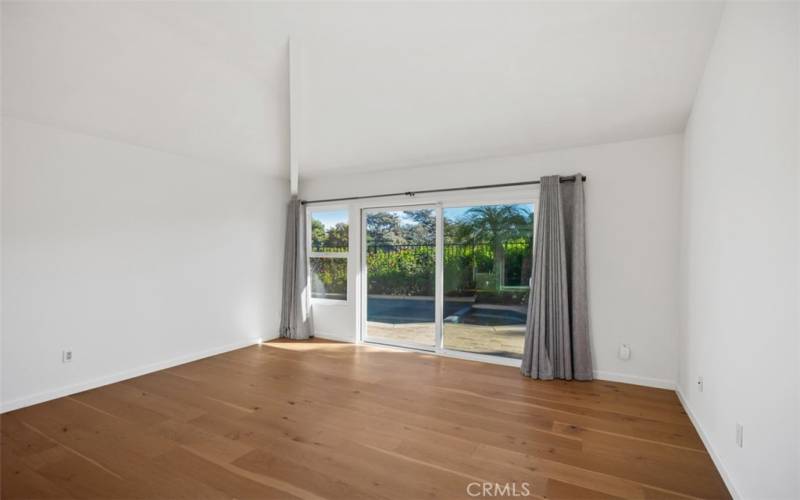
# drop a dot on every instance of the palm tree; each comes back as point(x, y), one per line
point(495, 224)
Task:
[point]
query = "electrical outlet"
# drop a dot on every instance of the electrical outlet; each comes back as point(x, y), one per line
point(739, 435)
point(700, 384)
point(66, 356)
point(624, 352)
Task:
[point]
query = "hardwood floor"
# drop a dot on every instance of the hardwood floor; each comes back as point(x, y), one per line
point(327, 420)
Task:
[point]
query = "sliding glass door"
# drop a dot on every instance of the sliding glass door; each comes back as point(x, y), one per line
point(400, 254)
point(451, 277)
point(487, 269)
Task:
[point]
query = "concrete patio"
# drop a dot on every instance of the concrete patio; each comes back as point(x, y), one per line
point(506, 340)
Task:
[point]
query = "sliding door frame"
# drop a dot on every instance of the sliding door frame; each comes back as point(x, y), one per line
point(437, 201)
point(438, 283)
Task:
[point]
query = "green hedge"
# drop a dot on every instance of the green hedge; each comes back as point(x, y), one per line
point(328, 278)
point(409, 270)
point(405, 270)
point(401, 271)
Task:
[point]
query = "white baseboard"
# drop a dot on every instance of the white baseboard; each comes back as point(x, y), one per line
point(704, 437)
point(41, 397)
point(600, 375)
point(329, 336)
point(658, 383)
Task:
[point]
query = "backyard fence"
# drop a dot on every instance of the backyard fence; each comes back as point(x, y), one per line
point(509, 247)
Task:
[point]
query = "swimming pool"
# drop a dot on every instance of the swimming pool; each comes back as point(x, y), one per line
point(402, 310)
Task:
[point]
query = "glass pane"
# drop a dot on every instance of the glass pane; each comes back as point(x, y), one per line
point(488, 251)
point(328, 278)
point(329, 231)
point(401, 262)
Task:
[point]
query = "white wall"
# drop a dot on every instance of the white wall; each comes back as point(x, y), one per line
point(739, 259)
point(797, 422)
point(632, 199)
point(131, 257)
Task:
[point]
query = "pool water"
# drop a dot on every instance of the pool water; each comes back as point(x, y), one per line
point(472, 315)
point(422, 310)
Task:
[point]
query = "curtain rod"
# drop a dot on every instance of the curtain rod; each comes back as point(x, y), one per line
point(411, 194)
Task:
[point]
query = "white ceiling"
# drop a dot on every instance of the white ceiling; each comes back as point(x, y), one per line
point(382, 85)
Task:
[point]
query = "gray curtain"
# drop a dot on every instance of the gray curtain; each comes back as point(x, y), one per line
point(557, 333)
point(296, 320)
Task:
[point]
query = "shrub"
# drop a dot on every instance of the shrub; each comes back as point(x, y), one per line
point(409, 269)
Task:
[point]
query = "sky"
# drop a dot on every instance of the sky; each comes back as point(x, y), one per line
point(330, 218)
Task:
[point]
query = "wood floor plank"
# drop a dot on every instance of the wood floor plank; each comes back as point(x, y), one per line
point(226, 480)
point(20, 459)
point(319, 419)
point(335, 482)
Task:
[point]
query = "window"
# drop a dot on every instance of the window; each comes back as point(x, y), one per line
point(328, 241)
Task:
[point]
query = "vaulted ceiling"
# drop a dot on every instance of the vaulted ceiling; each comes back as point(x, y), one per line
point(383, 85)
